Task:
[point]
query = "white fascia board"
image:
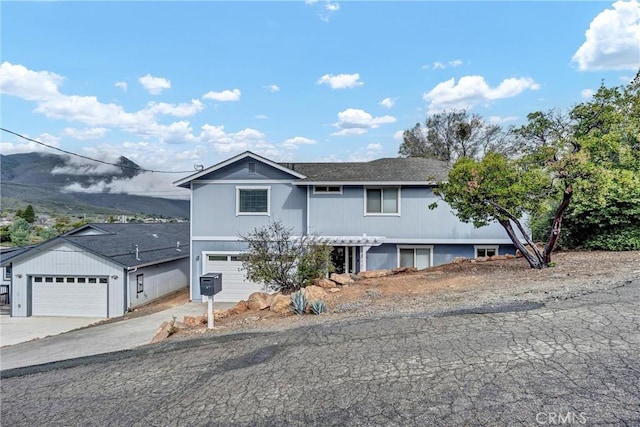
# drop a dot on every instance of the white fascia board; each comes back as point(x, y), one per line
point(183, 181)
point(428, 241)
point(368, 183)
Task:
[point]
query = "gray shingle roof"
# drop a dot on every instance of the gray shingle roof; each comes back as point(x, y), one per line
point(410, 169)
point(156, 242)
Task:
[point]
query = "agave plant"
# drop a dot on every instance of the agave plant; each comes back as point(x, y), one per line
point(299, 302)
point(318, 307)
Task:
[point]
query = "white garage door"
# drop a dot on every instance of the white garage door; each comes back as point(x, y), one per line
point(69, 296)
point(235, 286)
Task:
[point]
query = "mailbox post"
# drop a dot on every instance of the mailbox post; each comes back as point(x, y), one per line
point(210, 284)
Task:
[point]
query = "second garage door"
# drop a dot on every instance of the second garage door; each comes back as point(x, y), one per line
point(69, 296)
point(235, 286)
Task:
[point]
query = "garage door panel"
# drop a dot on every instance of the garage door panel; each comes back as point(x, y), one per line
point(69, 299)
point(234, 285)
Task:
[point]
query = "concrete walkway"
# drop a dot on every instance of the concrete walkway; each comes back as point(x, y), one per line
point(53, 345)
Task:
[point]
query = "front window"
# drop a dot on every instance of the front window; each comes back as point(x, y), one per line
point(7, 272)
point(382, 201)
point(252, 201)
point(486, 251)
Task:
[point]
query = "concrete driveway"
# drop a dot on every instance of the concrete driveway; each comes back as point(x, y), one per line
point(59, 338)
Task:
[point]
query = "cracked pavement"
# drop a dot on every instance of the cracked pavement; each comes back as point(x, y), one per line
point(574, 361)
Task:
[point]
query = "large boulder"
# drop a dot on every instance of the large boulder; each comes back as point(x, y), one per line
point(372, 274)
point(193, 321)
point(313, 293)
point(399, 270)
point(342, 279)
point(324, 283)
point(280, 304)
point(259, 301)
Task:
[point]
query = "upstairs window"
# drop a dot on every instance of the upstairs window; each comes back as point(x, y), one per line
point(252, 201)
point(382, 201)
point(327, 189)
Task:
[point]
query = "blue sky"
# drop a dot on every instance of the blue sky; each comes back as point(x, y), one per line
point(175, 84)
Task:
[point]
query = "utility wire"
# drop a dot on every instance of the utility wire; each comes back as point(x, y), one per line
point(92, 159)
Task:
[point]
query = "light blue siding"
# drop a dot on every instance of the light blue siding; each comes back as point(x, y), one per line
point(214, 209)
point(240, 171)
point(344, 214)
point(382, 257)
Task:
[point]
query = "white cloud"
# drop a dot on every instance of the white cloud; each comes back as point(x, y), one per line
point(154, 85)
point(86, 133)
point(17, 80)
point(326, 8)
point(388, 102)
point(398, 135)
point(357, 122)
point(439, 65)
point(177, 110)
point(272, 88)
point(612, 41)
point(587, 93)
point(374, 147)
point(365, 154)
point(79, 166)
point(472, 90)
point(341, 81)
point(121, 85)
point(24, 146)
point(227, 142)
point(144, 184)
point(224, 96)
point(498, 120)
point(293, 143)
point(261, 116)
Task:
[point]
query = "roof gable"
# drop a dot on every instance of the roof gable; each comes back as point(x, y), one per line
point(235, 168)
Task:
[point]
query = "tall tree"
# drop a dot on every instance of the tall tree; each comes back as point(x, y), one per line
point(451, 135)
point(588, 152)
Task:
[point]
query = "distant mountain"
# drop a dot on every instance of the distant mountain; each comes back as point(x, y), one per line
point(40, 180)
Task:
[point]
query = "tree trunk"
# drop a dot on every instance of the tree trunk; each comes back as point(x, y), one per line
point(554, 235)
point(533, 260)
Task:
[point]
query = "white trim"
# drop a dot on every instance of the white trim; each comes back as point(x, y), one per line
point(234, 159)
point(308, 225)
point(243, 181)
point(414, 247)
point(451, 241)
point(327, 192)
point(382, 188)
point(216, 238)
point(476, 247)
point(240, 188)
point(372, 183)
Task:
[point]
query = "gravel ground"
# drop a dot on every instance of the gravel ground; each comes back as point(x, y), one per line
point(490, 286)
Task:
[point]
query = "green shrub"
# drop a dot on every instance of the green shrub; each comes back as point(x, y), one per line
point(298, 302)
point(318, 307)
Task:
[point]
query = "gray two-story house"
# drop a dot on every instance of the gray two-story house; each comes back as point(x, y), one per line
point(375, 215)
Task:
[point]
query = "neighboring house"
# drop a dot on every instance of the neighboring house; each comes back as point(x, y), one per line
point(99, 270)
point(6, 254)
point(375, 215)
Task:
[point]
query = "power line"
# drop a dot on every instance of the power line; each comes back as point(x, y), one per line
point(90, 158)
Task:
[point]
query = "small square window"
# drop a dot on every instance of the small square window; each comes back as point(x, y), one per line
point(93, 280)
point(71, 280)
point(103, 280)
point(486, 251)
point(48, 279)
point(82, 280)
point(59, 279)
point(37, 279)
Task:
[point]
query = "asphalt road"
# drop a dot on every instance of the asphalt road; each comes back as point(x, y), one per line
point(571, 362)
